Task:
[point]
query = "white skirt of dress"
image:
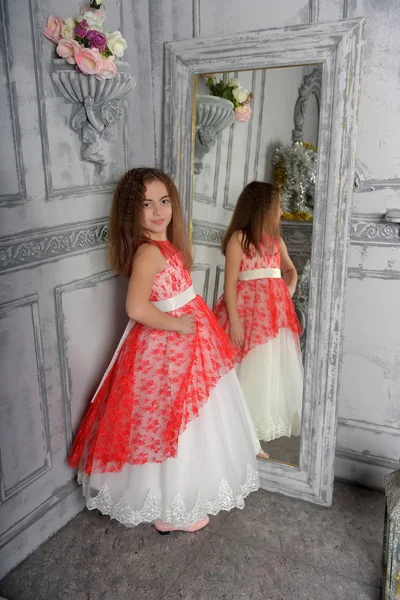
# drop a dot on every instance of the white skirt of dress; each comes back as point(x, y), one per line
point(215, 469)
point(271, 376)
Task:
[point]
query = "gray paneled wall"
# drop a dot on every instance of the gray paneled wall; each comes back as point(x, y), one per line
point(61, 308)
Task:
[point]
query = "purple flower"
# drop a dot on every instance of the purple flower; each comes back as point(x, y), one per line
point(81, 28)
point(96, 39)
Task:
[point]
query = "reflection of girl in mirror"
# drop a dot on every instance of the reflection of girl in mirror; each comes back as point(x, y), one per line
point(257, 311)
point(168, 437)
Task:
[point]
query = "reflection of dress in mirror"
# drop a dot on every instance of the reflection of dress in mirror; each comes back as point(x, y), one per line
point(257, 307)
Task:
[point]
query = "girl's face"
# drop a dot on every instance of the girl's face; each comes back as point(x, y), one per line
point(157, 210)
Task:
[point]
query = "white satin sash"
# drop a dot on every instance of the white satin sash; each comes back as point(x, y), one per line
point(166, 305)
point(266, 273)
point(176, 301)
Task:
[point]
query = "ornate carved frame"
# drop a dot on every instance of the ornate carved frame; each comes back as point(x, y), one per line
point(311, 85)
point(338, 47)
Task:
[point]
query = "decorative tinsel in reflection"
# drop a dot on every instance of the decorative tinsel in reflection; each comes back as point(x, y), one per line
point(294, 171)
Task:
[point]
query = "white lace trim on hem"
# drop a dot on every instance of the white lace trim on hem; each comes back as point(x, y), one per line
point(276, 428)
point(177, 515)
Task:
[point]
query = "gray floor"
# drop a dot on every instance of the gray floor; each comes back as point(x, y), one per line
point(275, 549)
point(284, 449)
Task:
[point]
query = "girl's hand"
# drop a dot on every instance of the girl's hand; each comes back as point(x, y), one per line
point(236, 332)
point(186, 325)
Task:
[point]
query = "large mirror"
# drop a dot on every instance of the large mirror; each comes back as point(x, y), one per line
point(278, 107)
point(271, 136)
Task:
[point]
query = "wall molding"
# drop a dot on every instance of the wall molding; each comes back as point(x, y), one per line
point(204, 268)
point(226, 203)
point(218, 272)
point(250, 128)
point(5, 44)
point(314, 11)
point(46, 245)
point(361, 273)
point(37, 513)
point(362, 181)
point(368, 426)
point(62, 336)
point(372, 185)
point(196, 18)
point(207, 234)
point(23, 538)
point(31, 301)
point(260, 122)
point(369, 459)
point(40, 246)
point(373, 230)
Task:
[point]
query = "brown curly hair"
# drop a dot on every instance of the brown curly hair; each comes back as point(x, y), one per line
point(255, 215)
point(126, 232)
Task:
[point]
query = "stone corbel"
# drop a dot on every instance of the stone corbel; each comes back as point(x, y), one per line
point(97, 104)
point(213, 115)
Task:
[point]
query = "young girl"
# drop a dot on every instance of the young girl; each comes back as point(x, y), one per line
point(257, 311)
point(168, 438)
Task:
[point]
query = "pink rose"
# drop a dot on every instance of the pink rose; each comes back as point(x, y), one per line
point(243, 113)
point(89, 61)
point(53, 28)
point(108, 70)
point(96, 39)
point(68, 49)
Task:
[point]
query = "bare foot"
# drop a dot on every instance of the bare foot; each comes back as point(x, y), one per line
point(263, 455)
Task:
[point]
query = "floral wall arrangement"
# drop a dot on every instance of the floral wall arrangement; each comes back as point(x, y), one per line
point(235, 93)
point(81, 41)
point(90, 74)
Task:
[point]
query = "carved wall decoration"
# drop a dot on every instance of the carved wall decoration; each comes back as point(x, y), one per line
point(38, 247)
point(362, 182)
point(374, 232)
point(207, 234)
point(300, 300)
point(97, 104)
point(311, 85)
point(19, 252)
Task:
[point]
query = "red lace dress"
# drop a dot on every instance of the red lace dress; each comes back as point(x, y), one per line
point(269, 362)
point(159, 439)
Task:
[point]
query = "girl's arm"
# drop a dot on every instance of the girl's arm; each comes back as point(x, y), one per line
point(234, 253)
point(148, 261)
point(288, 269)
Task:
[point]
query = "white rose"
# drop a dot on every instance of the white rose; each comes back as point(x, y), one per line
point(240, 95)
point(94, 19)
point(234, 83)
point(116, 43)
point(68, 29)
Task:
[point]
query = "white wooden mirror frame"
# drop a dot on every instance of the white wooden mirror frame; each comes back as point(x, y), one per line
point(338, 47)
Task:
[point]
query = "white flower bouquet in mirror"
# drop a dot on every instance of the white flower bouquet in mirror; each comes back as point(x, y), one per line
point(233, 91)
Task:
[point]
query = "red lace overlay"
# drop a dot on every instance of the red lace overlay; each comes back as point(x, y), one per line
point(156, 386)
point(264, 305)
